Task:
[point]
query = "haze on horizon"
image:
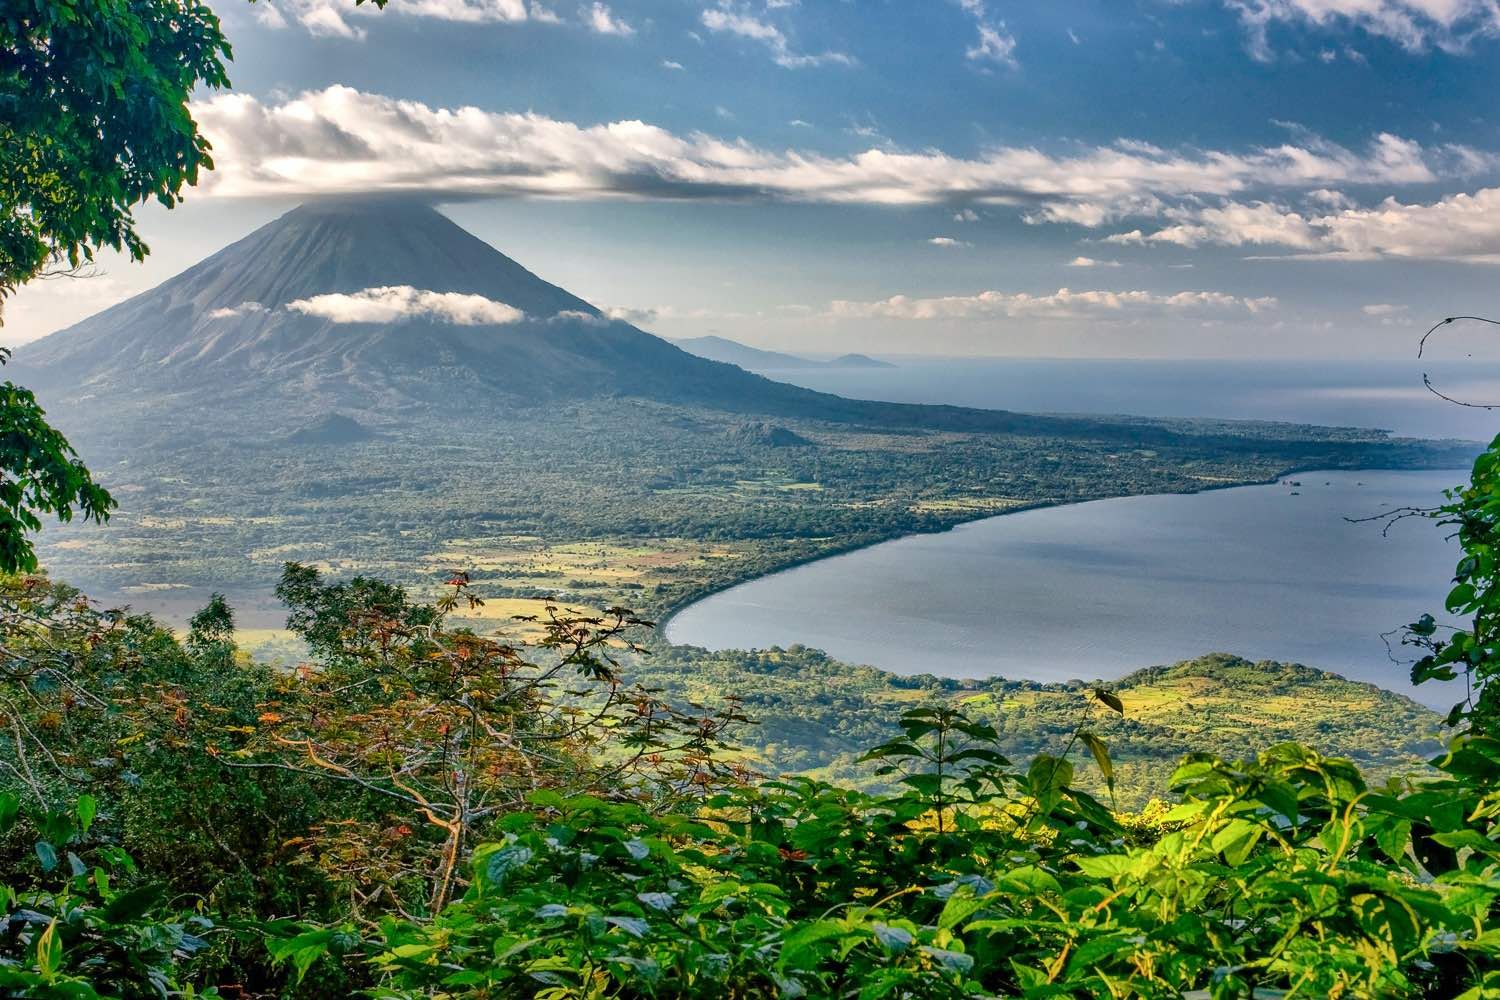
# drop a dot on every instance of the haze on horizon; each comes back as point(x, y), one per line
point(1154, 178)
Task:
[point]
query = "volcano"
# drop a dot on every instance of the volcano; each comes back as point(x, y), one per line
point(346, 297)
point(380, 303)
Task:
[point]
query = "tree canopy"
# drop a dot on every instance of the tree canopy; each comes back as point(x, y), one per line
point(94, 120)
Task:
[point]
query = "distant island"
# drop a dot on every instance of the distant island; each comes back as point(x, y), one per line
point(732, 352)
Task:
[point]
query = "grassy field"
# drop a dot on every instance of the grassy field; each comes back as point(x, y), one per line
point(609, 501)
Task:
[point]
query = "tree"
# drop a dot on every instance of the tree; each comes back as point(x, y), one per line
point(1472, 652)
point(211, 630)
point(444, 731)
point(39, 473)
point(94, 120)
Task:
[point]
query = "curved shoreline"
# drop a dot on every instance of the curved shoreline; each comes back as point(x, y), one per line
point(666, 619)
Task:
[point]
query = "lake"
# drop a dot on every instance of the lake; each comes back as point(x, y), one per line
point(1383, 394)
point(1098, 589)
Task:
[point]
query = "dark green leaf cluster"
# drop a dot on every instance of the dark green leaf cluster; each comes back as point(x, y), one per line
point(94, 120)
point(1284, 874)
point(78, 921)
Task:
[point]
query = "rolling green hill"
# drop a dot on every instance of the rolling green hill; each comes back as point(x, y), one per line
point(815, 715)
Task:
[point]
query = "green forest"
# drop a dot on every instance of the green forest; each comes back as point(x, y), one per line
point(421, 810)
point(455, 784)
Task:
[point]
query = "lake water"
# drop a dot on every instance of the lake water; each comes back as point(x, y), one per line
point(1096, 590)
point(1384, 394)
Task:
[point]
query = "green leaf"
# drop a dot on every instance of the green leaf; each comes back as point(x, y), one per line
point(1101, 757)
point(1104, 866)
point(49, 952)
point(1236, 839)
point(303, 949)
point(132, 903)
point(953, 961)
point(634, 926)
point(960, 907)
point(1110, 700)
point(47, 855)
point(1472, 839)
point(1048, 775)
point(663, 901)
point(10, 808)
point(1029, 880)
point(799, 948)
point(893, 939)
point(495, 868)
point(717, 891)
point(87, 809)
point(1393, 837)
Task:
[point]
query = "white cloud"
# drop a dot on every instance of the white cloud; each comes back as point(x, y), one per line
point(995, 44)
point(948, 241)
point(1414, 24)
point(966, 215)
point(322, 20)
point(601, 19)
point(1383, 309)
point(269, 16)
point(339, 18)
point(1091, 262)
point(1062, 304)
point(1464, 227)
point(729, 20)
point(243, 309)
point(637, 317)
point(1232, 223)
point(671, 64)
point(341, 140)
point(395, 303)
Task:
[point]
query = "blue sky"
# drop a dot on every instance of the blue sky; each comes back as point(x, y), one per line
point(1239, 178)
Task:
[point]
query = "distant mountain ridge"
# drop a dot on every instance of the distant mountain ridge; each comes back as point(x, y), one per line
point(733, 352)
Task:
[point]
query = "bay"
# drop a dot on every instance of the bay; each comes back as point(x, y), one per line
point(1095, 590)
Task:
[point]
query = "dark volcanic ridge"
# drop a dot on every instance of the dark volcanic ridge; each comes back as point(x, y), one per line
point(334, 428)
point(763, 432)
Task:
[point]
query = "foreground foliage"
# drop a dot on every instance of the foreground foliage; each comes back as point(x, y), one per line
point(422, 811)
point(1285, 872)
